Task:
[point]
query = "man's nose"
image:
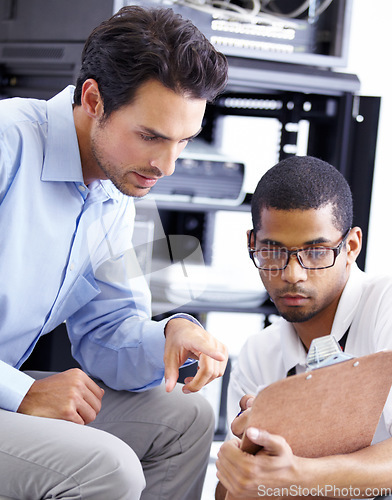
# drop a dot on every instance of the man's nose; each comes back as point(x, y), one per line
point(166, 160)
point(294, 272)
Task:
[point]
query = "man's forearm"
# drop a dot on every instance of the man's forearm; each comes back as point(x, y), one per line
point(365, 473)
point(275, 471)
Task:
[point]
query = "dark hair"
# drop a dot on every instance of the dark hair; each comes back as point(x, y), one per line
point(304, 182)
point(139, 44)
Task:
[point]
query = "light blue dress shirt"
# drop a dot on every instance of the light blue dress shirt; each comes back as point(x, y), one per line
point(66, 254)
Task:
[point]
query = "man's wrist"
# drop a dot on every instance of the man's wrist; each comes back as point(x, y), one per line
point(182, 316)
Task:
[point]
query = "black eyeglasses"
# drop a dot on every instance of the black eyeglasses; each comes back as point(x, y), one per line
point(277, 259)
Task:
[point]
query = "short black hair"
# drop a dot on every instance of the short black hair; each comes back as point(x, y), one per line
point(304, 182)
point(139, 44)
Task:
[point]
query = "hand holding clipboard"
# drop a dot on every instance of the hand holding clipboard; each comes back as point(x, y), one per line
point(317, 412)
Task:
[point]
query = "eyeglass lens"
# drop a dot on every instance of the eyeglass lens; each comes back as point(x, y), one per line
point(313, 258)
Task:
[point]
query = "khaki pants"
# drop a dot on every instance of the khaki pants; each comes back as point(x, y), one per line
point(150, 438)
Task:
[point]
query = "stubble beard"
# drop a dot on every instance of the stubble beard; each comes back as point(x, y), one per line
point(118, 180)
point(297, 316)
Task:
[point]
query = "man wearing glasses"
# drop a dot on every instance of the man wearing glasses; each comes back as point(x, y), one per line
point(304, 247)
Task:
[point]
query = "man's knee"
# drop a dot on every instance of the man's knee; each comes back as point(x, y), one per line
point(63, 460)
point(116, 465)
point(98, 467)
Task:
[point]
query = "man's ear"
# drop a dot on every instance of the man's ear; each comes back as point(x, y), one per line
point(91, 99)
point(250, 238)
point(354, 244)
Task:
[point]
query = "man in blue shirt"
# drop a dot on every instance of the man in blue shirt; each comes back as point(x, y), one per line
point(69, 170)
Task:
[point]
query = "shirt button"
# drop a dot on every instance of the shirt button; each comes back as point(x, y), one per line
point(72, 266)
point(82, 188)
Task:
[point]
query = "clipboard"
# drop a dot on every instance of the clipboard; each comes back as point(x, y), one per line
point(326, 411)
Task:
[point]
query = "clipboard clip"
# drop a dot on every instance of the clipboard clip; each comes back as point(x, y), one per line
point(325, 351)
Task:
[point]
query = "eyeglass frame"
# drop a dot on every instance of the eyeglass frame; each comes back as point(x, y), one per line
point(336, 251)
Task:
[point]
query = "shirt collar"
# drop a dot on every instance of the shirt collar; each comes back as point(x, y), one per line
point(293, 351)
point(100, 190)
point(111, 190)
point(62, 156)
point(348, 302)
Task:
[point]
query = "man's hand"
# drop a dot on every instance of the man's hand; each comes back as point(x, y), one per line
point(238, 425)
point(70, 395)
point(273, 467)
point(184, 340)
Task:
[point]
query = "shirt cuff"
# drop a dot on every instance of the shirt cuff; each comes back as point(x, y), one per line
point(185, 316)
point(155, 339)
point(14, 386)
